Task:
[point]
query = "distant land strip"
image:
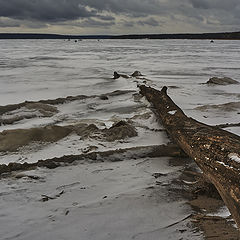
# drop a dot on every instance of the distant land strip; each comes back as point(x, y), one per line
point(210, 36)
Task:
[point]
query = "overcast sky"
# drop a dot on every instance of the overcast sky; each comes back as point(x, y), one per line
point(119, 16)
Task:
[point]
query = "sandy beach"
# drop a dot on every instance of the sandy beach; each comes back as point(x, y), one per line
point(84, 157)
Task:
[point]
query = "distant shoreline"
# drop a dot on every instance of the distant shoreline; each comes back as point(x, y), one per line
point(196, 36)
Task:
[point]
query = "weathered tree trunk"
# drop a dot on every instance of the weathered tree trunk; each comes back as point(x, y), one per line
point(216, 152)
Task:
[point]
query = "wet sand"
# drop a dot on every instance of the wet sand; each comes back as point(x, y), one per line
point(100, 175)
point(130, 199)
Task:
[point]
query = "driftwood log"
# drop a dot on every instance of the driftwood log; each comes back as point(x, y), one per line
point(216, 152)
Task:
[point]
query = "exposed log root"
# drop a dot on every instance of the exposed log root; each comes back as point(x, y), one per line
point(215, 227)
point(201, 185)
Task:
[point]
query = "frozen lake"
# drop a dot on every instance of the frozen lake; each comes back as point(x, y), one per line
point(39, 69)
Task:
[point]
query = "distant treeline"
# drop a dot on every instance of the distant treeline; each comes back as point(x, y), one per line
point(213, 36)
point(49, 36)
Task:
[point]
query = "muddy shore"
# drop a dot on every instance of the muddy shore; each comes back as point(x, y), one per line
point(180, 181)
point(166, 192)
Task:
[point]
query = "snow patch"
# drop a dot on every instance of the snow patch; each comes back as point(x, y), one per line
point(172, 112)
point(235, 157)
point(224, 164)
point(222, 212)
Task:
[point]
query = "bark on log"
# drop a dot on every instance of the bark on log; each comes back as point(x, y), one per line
point(216, 152)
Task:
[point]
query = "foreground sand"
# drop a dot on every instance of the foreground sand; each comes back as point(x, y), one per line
point(148, 198)
point(109, 200)
point(120, 198)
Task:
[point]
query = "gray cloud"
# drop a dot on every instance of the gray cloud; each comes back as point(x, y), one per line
point(204, 14)
point(218, 12)
point(228, 5)
point(95, 23)
point(60, 10)
point(127, 24)
point(15, 23)
point(6, 22)
point(44, 10)
point(200, 4)
point(145, 22)
point(126, 6)
point(150, 22)
point(106, 18)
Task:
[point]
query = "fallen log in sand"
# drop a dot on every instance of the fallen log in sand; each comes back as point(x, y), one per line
point(217, 152)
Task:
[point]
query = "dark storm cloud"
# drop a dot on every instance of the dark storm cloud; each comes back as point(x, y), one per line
point(44, 10)
point(126, 6)
point(200, 4)
point(228, 5)
point(106, 13)
point(60, 10)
